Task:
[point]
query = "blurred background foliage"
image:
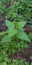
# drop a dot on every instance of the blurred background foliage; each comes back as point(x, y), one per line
point(20, 10)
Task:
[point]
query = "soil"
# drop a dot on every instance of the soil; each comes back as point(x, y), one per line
point(3, 27)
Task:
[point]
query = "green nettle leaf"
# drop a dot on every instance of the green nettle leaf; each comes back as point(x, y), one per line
point(12, 32)
point(21, 24)
point(6, 39)
point(22, 35)
point(3, 63)
point(9, 24)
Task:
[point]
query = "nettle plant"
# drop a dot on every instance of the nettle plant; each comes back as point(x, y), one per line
point(15, 30)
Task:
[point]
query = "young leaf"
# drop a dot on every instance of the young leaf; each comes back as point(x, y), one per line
point(22, 35)
point(21, 24)
point(12, 32)
point(6, 39)
point(9, 24)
